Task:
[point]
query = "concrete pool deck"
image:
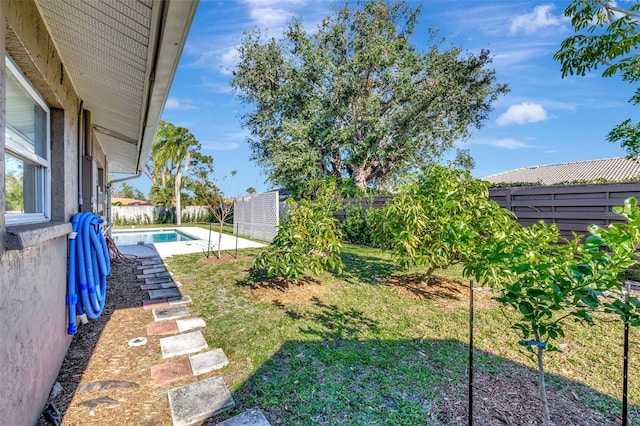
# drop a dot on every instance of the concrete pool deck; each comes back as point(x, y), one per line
point(199, 245)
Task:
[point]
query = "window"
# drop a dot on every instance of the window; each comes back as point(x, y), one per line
point(27, 167)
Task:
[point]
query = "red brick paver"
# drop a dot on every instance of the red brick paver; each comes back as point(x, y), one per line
point(171, 371)
point(162, 328)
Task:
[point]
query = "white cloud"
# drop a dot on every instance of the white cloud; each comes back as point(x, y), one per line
point(522, 113)
point(229, 59)
point(541, 17)
point(269, 17)
point(508, 143)
point(184, 104)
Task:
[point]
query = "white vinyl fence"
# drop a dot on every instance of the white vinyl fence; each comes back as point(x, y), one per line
point(144, 215)
point(257, 216)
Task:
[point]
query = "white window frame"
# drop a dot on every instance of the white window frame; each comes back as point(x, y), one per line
point(23, 153)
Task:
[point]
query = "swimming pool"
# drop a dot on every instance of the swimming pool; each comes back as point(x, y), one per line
point(150, 236)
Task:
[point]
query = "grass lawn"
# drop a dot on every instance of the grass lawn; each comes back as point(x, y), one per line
point(376, 345)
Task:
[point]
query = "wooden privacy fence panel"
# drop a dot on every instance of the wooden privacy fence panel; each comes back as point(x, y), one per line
point(571, 207)
point(365, 203)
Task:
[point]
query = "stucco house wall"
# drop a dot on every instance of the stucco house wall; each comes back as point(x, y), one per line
point(94, 129)
point(33, 258)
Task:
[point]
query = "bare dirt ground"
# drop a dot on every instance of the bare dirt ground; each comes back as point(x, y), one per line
point(121, 391)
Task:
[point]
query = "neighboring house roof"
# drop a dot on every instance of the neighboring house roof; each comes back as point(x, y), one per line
point(129, 201)
point(121, 58)
point(608, 170)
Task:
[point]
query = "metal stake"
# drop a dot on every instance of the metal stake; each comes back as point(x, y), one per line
point(625, 368)
point(471, 353)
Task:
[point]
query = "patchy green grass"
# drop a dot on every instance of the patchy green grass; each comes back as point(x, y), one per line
point(376, 345)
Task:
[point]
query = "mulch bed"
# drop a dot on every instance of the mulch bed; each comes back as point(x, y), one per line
point(117, 375)
point(512, 398)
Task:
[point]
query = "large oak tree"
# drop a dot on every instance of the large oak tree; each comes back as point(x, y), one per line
point(356, 98)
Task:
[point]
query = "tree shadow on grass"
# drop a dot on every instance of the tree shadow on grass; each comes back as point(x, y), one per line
point(331, 323)
point(338, 376)
point(258, 278)
point(366, 269)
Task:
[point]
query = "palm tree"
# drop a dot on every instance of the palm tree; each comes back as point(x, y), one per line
point(170, 156)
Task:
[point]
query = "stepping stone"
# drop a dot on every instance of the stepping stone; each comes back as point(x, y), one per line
point(171, 371)
point(208, 361)
point(164, 274)
point(179, 300)
point(162, 328)
point(164, 293)
point(198, 401)
point(253, 417)
point(182, 344)
point(147, 287)
point(153, 261)
point(155, 280)
point(154, 303)
point(190, 324)
point(154, 270)
point(167, 285)
point(158, 303)
point(145, 276)
point(173, 312)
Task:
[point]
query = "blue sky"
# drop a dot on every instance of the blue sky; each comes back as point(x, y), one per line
point(543, 120)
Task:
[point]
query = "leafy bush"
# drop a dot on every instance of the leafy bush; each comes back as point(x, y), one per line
point(164, 215)
point(125, 221)
point(440, 219)
point(356, 227)
point(308, 239)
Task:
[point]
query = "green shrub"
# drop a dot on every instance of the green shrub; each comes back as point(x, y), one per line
point(308, 240)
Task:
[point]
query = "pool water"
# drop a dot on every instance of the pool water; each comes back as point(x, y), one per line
point(150, 236)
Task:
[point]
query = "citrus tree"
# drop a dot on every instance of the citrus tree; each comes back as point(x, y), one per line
point(542, 279)
point(546, 280)
point(308, 239)
point(438, 220)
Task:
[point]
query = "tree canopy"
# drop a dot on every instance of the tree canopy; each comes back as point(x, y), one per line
point(606, 36)
point(173, 152)
point(124, 190)
point(356, 98)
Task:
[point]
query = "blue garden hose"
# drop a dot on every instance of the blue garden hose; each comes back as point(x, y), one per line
point(89, 265)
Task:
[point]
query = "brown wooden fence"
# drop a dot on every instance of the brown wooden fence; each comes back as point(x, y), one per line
point(571, 207)
point(365, 203)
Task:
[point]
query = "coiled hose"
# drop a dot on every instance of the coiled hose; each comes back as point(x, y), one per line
point(89, 266)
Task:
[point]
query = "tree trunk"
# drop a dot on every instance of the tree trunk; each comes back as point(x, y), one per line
point(359, 177)
point(178, 183)
point(543, 387)
point(220, 240)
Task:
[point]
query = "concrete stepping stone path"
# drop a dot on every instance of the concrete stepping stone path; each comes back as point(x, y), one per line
point(158, 280)
point(199, 400)
point(174, 326)
point(253, 417)
point(158, 303)
point(164, 293)
point(208, 361)
point(182, 344)
point(170, 313)
point(184, 368)
point(190, 324)
point(154, 270)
